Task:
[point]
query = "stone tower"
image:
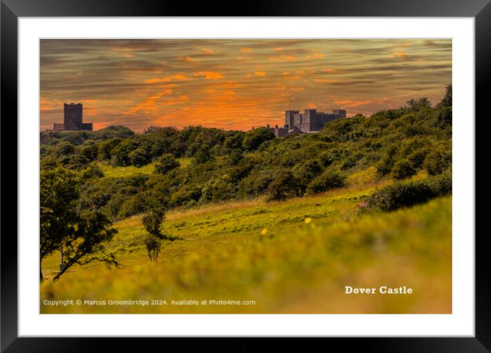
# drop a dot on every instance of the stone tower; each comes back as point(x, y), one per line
point(73, 117)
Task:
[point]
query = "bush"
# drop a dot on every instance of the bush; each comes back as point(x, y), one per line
point(438, 161)
point(218, 189)
point(93, 171)
point(403, 169)
point(139, 157)
point(254, 138)
point(185, 196)
point(64, 149)
point(404, 194)
point(326, 181)
point(284, 186)
point(307, 172)
point(90, 152)
point(203, 156)
point(166, 163)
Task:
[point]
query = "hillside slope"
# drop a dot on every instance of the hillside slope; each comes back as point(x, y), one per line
point(294, 256)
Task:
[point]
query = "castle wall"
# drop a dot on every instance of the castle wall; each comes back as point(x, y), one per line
point(58, 127)
point(86, 126)
point(311, 120)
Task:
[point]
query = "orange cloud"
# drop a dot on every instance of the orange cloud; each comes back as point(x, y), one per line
point(186, 59)
point(283, 58)
point(47, 105)
point(210, 75)
point(246, 50)
point(292, 76)
point(345, 103)
point(325, 80)
point(260, 73)
point(400, 55)
point(330, 70)
point(314, 56)
point(207, 51)
point(149, 104)
point(178, 77)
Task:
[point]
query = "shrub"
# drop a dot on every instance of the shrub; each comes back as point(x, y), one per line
point(438, 161)
point(284, 186)
point(166, 163)
point(307, 172)
point(93, 171)
point(217, 190)
point(203, 156)
point(254, 138)
point(327, 158)
point(132, 206)
point(326, 181)
point(90, 152)
point(404, 194)
point(139, 157)
point(64, 148)
point(385, 165)
point(185, 196)
point(403, 169)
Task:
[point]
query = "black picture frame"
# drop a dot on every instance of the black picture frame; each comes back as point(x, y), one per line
point(11, 10)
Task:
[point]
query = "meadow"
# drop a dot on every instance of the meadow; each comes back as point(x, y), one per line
point(293, 256)
point(275, 225)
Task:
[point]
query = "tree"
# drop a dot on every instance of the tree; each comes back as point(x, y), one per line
point(153, 246)
point(307, 172)
point(64, 149)
point(254, 138)
point(139, 157)
point(285, 185)
point(166, 163)
point(403, 169)
point(203, 156)
point(330, 179)
point(90, 151)
point(89, 242)
point(59, 192)
point(153, 225)
point(447, 99)
point(417, 104)
point(82, 236)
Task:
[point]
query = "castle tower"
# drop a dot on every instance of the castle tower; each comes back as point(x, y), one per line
point(309, 122)
point(289, 118)
point(341, 113)
point(73, 117)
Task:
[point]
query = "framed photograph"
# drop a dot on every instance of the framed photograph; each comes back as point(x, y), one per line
point(286, 170)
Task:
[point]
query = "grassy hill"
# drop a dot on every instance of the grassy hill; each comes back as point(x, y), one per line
point(293, 256)
point(284, 222)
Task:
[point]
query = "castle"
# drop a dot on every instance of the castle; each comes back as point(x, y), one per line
point(310, 121)
point(73, 119)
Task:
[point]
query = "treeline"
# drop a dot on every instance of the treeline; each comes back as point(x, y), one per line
point(236, 165)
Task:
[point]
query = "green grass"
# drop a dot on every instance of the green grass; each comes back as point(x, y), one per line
point(124, 172)
point(267, 252)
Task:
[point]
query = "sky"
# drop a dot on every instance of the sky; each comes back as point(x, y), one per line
point(235, 83)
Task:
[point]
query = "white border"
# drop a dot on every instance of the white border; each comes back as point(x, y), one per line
point(460, 323)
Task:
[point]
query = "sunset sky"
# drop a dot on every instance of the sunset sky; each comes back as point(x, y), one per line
point(235, 84)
